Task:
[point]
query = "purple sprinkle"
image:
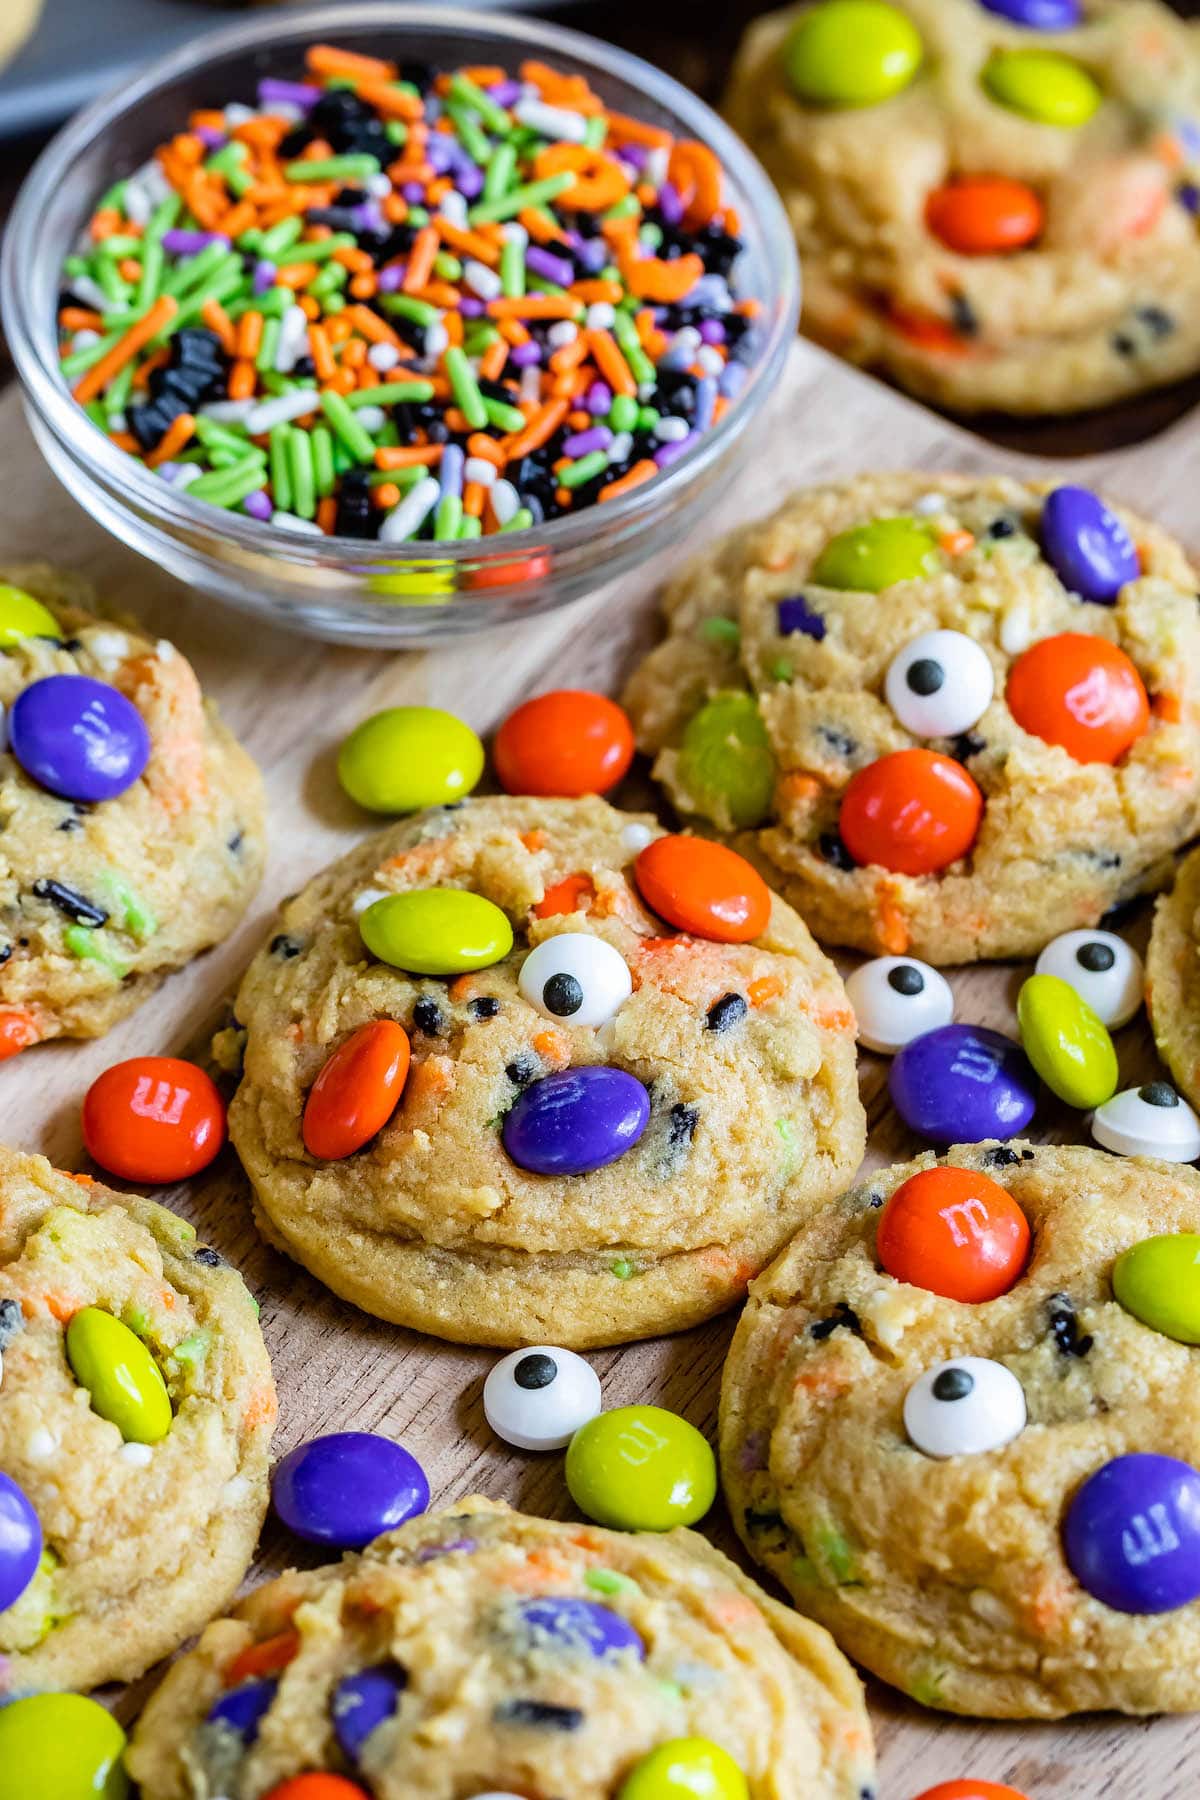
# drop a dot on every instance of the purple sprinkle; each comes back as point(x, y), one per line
point(264, 276)
point(471, 308)
point(439, 152)
point(413, 192)
point(670, 203)
point(190, 243)
point(796, 615)
point(712, 331)
point(391, 278)
point(367, 217)
point(429, 1551)
point(258, 504)
point(635, 154)
point(287, 93)
point(525, 355)
point(732, 379)
point(450, 470)
point(599, 437)
point(594, 255)
point(598, 399)
point(506, 93)
point(753, 1454)
point(169, 471)
point(545, 263)
point(706, 400)
point(210, 137)
point(1188, 196)
point(469, 182)
point(666, 454)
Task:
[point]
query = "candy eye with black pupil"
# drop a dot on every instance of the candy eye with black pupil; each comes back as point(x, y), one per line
point(940, 684)
point(1148, 1121)
point(897, 999)
point(1102, 968)
point(537, 1370)
point(906, 978)
point(964, 1408)
point(577, 978)
point(538, 1399)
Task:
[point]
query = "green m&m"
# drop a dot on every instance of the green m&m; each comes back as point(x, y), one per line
point(725, 761)
point(1042, 85)
point(436, 931)
point(21, 616)
point(869, 558)
point(1066, 1042)
point(685, 1769)
point(409, 757)
point(851, 53)
point(60, 1747)
point(641, 1468)
point(1158, 1281)
point(120, 1375)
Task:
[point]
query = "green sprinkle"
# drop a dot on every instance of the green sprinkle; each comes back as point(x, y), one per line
point(334, 303)
point(300, 468)
point(625, 208)
point(150, 281)
point(90, 946)
point(585, 468)
point(502, 166)
point(447, 267)
point(447, 518)
point(503, 416)
point(118, 390)
point(470, 527)
point(229, 156)
point(131, 911)
point(926, 1686)
point(512, 270)
point(320, 251)
point(834, 1557)
point(648, 418)
point(195, 269)
point(332, 168)
point(623, 413)
point(359, 442)
point(137, 1319)
point(781, 669)
point(466, 128)
point(417, 215)
point(625, 332)
point(265, 359)
point(322, 456)
point(116, 288)
point(721, 631)
point(520, 521)
point(396, 132)
point(609, 1581)
point(533, 193)
point(114, 199)
point(466, 389)
point(328, 281)
point(228, 487)
point(595, 131)
point(79, 360)
point(191, 1349)
point(392, 393)
point(223, 437)
point(272, 305)
point(623, 1269)
point(280, 236)
point(120, 245)
point(493, 116)
point(402, 306)
point(222, 286)
point(281, 481)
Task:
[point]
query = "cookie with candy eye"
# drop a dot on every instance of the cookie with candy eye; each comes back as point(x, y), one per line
point(135, 1422)
point(986, 194)
point(479, 1654)
point(110, 751)
point(969, 704)
point(532, 1068)
point(994, 1347)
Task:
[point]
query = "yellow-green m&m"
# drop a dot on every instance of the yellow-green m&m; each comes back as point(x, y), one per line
point(409, 757)
point(685, 1769)
point(851, 53)
point(60, 1747)
point(436, 931)
point(869, 558)
point(120, 1375)
point(1043, 86)
point(1158, 1281)
point(641, 1468)
point(21, 616)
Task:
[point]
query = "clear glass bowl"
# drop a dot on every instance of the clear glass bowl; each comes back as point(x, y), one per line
point(339, 588)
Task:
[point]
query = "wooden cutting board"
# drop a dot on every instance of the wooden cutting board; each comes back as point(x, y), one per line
point(292, 701)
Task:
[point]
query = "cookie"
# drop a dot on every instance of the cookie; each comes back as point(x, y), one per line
point(921, 1457)
point(607, 1127)
point(949, 716)
point(478, 1649)
point(996, 215)
point(1173, 978)
point(133, 822)
point(144, 1493)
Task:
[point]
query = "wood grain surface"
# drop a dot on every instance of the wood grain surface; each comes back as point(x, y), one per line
point(292, 701)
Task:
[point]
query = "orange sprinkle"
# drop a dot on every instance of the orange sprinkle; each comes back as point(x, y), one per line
point(635, 131)
point(641, 471)
point(552, 1047)
point(97, 378)
point(297, 275)
point(474, 495)
point(491, 363)
point(956, 543)
point(406, 456)
point(174, 439)
point(327, 514)
point(322, 354)
point(385, 496)
point(243, 379)
point(327, 59)
point(890, 925)
point(239, 218)
point(534, 840)
point(594, 292)
point(249, 334)
point(79, 318)
point(364, 287)
point(420, 261)
point(767, 987)
point(538, 429)
point(267, 1658)
point(129, 268)
point(471, 243)
point(574, 893)
point(18, 1030)
point(486, 448)
point(355, 354)
point(540, 226)
point(104, 224)
point(512, 331)
point(650, 278)
point(390, 101)
point(610, 362)
point(569, 356)
point(695, 174)
point(1168, 707)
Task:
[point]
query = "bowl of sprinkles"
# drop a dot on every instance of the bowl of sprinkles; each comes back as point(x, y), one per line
point(388, 323)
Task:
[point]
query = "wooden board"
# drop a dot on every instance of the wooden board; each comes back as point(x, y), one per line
point(292, 701)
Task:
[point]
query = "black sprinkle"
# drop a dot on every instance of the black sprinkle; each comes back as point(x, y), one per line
point(831, 848)
point(84, 912)
point(757, 1519)
point(1065, 1327)
point(683, 1122)
point(724, 1013)
point(866, 1793)
point(285, 946)
point(427, 1017)
point(234, 844)
point(841, 1315)
point(840, 742)
point(1002, 1157)
point(12, 1322)
point(212, 1259)
point(540, 1715)
point(1003, 527)
point(486, 1007)
point(1123, 344)
point(967, 745)
point(521, 1071)
point(874, 1198)
point(966, 319)
point(1156, 319)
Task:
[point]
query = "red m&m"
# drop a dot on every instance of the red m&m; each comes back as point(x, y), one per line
point(983, 215)
point(1080, 692)
point(913, 811)
point(356, 1092)
point(954, 1232)
point(703, 888)
point(153, 1118)
point(971, 1790)
point(566, 743)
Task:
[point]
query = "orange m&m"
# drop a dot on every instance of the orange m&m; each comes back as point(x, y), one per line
point(953, 1232)
point(17, 1031)
point(1080, 692)
point(566, 743)
point(317, 1787)
point(153, 1118)
point(984, 215)
point(971, 1790)
point(703, 888)
point(356, 1092)
point(912, 811)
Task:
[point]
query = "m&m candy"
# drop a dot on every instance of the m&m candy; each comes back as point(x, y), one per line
point(1041, 85)
point(21, 616)
point(153, 1118)
point(566, 743)
point(913, 812)
point(726, 764)
point(1087, 545)
point(122, 1379)
point(357, 1090)
point(1158, 1281)
point(1066, 1042)
point(78, 737)
point(243, 1708)
point(20, 1541)
point(577, 1626)
point(60, 1747)
point(1102, 968)
point(1132, 1533)
point(897, 999)
point(703, 888)
point(1080, 692)
point(869, 558)
point(317, 1787)
point(984, 215)
point(964, 1408)
point(1148, 1121)
point(409, 757)
point(576, 1120)
point(641, 1468)
point(954, 1232)
point(962, 1084)
point(685, 1769)
point(436, 931)
point(1034, 15)
point(971, 1789)
point(362, 1702)
point(538, 1399)
point(347, 1487)
point(851, 53)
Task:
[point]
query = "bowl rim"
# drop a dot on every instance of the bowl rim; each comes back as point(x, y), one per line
point(33, 341)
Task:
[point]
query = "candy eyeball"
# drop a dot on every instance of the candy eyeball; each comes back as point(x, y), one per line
point(538, 1399)
point(1103, 970)
point(577, 978)
point(941, 683)
point(1148, 1121)
point(964, 1407)
point(897, 999)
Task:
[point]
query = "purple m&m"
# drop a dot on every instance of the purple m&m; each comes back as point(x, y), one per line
point(243, 1708)
point(580, 1626)
point(80, 738)
point(1132, 1534)
point(361, 1703)
point(20, 1542)
point(576, 1120)
point(963, 1083)
point(1037, 15)
point(1087, 545)
point(348, 1487)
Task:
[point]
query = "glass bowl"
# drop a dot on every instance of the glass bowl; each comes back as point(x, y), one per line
point(394, 596)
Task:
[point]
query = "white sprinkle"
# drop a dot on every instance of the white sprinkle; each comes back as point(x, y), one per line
point(287, 521)
point(235, 1490)
point(646, 391)
point(930, 504)
point(1016, 629)
point(228, 412)
point(531, 384)
point(117, 421)
point(153, 182)
point(138, 1456)
point(164, 650)
point(237, 114)
point(453, 208)
point(657, 163)
point(506, 502)
point(82, 287)
point(478, 469)
point(562, 333)
point(481, 280)
point(552, 121)
point(600, 315)
point(285, 109)
point(185, 474)
point(514, 233)
point(710, 360)
point(281, 410)
point(408, 516)
point(372, 418)
point(137, 203)
point(293, 340)
point(383, 357)
point(41, 1444)
point(110, 648)
point(378, 185)
point(437, 339)
point(636, 837)
point(672, 429)
point(368, 897)
point(620, 447)
point(83, 340)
